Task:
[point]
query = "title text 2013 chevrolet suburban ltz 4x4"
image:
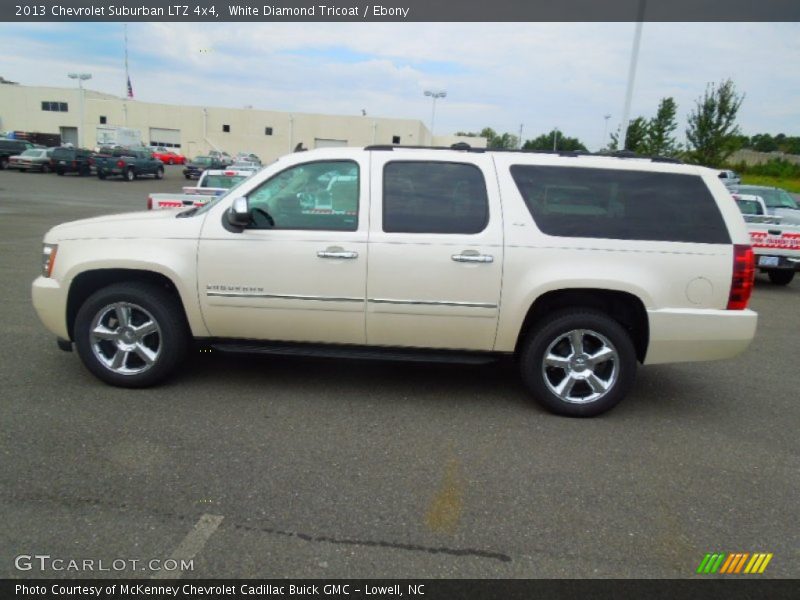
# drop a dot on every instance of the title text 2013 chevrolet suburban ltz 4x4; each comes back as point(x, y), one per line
point(581, 266)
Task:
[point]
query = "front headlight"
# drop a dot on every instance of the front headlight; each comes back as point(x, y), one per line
point(48, 258)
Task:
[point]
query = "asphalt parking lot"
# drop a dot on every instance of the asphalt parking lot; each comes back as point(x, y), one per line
point(278, 467)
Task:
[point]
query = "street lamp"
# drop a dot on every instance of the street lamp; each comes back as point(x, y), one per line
point(555, 139)
point(81, 77)
point(605, 132)
point(435, 95)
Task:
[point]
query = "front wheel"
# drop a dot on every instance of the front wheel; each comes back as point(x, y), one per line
point(131, 334)
point(578, 363)
point(45, 168)
point(160, 173)
point(129, 174)
point(780, 276)
point(3, 164)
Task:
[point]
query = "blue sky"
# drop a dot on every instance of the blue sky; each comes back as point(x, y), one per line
point(496, 74)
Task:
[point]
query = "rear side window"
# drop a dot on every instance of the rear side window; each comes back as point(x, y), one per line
point(617, 204)
point(62, 154)
point(434, 197)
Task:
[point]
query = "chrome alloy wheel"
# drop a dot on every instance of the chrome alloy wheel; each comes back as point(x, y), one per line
point(125, 338)
point(580, 366)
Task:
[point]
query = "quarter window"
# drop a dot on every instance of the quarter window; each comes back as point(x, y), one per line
point(620, 204)
point(434, 197)
point(320, 195)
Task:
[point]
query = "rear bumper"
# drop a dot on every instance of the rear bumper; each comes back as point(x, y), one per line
point(685, 335)
point(50, 303)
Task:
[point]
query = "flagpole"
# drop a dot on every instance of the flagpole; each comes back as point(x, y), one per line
point(127, 75)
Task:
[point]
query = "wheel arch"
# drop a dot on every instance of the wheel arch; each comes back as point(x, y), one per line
point(88, 282)
point(625, 308)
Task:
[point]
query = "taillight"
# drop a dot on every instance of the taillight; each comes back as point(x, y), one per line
point(149, 203)
point(121, 163)
point(742, 280)
point(74, 163)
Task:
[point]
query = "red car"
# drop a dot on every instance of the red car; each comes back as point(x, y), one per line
point(167, 156)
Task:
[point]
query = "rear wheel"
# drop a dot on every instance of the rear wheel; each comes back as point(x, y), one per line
point(101, 175)
point(578, 363)
point(59, 171)
point(45, 168)
point(130, 175)
point(131, 334)
point(169, 161)
point(160, 173)
point(186, 176)
point(780, 276)
point(3, 163)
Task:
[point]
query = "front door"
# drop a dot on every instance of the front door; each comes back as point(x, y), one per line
point(298, 273)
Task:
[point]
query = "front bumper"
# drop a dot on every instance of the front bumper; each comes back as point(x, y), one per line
point(50, 302)
point(687, 335)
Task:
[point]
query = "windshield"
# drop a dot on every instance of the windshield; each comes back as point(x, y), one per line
point(202, 160)
point(223, 181)
point(35, 153)
point(775, 198)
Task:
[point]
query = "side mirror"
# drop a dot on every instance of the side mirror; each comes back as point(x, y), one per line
point(238, 214)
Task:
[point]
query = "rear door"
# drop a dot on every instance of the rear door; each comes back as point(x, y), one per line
point(435, 250)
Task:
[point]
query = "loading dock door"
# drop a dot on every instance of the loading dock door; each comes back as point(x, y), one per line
point(328, 143)
point(169, 138)
point(69, 135)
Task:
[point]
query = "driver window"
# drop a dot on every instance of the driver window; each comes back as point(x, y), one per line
point(319, 195)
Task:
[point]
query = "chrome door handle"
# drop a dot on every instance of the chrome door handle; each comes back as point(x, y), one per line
point(473, 258)
point(337, 254)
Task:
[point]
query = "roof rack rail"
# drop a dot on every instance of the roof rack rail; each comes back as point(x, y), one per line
point(464, 147)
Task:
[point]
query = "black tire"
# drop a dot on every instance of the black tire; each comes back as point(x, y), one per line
point(186, 176)
point(780, 276)
point(130, 174)
point(171, 340)
point(169, 162)
point(45, 168)
point(599, 330)
point(159, 174)
point(101, 175)
point(3, 164)
point(60, 172)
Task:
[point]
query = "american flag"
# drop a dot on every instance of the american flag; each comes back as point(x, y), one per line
point(130, 88)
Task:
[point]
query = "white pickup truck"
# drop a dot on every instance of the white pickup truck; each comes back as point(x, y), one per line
point(579, 266)
point(776, 246)
point(212, 183)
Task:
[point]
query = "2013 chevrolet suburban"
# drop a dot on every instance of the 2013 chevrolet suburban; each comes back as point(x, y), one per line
point(581, 266)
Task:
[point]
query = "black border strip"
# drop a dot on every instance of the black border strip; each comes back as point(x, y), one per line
point(401, 10)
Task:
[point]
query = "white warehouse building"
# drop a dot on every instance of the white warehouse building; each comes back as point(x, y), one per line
point(194, 130)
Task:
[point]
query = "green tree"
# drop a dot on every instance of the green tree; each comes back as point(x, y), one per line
point(712, 131)
point(563, 142)
point(635, 136)
point(659, 140)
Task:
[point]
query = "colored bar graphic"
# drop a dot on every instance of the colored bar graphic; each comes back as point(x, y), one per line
point(741, 562)
point(765, 563)
point(734, 563)
point(703, 563)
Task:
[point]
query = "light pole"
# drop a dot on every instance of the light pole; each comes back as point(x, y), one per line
point(555, 139)
point(81, 77)
point(605, 132)
point(435, 95)
point(637, 38)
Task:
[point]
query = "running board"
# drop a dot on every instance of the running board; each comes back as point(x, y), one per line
point(357, 352)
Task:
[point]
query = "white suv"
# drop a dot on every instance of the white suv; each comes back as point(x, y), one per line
point(581, 266)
